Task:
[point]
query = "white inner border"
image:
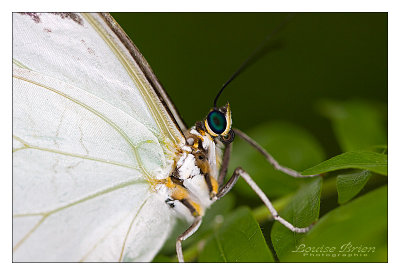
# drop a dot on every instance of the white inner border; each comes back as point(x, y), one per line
point(210, 6)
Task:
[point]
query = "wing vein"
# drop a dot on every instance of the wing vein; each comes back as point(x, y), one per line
point(107, 233)
point(89, 197)
point(45, 215)
point(98, 114)
point(28, 146)
point(131, 71)
point(129, 229)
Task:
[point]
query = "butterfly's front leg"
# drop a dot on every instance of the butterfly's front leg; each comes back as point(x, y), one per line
point(231, 182)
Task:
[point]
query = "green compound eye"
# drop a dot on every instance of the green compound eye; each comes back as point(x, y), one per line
point(217, 122)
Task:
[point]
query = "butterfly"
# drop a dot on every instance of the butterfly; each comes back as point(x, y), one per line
point(103, 164)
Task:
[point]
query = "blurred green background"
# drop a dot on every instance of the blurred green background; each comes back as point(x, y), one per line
point(324, 55)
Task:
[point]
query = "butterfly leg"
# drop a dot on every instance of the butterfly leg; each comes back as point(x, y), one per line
point(189, 232)
point(231, 182)
point(269, 158)
point(225, 164)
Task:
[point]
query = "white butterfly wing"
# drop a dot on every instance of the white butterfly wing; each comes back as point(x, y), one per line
point(90, 137)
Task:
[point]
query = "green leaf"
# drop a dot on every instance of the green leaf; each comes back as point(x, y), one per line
point(349, 185)
point(301, 211)
point(238, 239)
point(372, 161)
point(354, 232)
point(290, 145)
point(357, 124)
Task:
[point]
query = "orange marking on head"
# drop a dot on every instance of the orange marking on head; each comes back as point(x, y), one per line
point(201, 132)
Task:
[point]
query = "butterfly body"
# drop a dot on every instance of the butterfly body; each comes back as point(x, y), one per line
point(193, 181)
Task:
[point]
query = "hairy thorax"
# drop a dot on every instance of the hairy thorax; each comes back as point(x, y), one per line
point(192, 185)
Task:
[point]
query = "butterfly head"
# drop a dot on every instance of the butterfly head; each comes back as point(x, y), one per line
point(219, 122)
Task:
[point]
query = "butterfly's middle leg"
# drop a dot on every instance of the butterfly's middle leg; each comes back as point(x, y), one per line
point(239, 172)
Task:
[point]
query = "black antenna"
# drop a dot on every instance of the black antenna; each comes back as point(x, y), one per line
point(263, 48)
